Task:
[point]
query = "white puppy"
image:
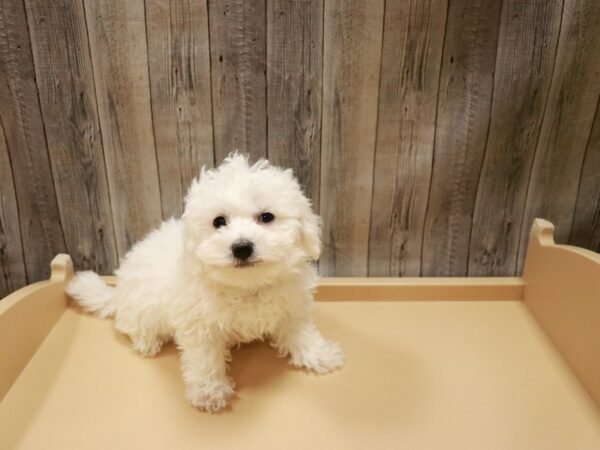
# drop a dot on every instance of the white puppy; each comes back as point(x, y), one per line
point(236, 268)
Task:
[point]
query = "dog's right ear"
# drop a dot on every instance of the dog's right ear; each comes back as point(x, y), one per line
point(311, 235)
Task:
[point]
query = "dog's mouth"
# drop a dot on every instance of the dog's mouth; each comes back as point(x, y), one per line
point(244, 264)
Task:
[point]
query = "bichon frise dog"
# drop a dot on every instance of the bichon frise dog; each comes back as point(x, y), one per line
point(235, 268)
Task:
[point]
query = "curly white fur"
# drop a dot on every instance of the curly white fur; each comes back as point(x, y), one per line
point(183, 283)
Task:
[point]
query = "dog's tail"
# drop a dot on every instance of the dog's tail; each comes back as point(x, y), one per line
point(93, 294)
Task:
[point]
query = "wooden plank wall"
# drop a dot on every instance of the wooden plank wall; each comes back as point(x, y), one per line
point(428, 133)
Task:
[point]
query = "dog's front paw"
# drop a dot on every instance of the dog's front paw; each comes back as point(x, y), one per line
point(147, 347)
point(323, 357)
point(210, 396)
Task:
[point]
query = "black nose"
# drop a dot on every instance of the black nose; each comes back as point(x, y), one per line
point(242, 250)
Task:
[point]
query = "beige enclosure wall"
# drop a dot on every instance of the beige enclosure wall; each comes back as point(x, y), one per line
point(428, 133)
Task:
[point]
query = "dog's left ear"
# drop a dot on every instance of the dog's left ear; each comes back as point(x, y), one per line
point(311, 235)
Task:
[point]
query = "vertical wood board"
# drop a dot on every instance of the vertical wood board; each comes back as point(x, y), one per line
point(179, 65)
point(21, 118)
point(68, 102)
point(117, 35)
point(413, 38)
point(351, 67)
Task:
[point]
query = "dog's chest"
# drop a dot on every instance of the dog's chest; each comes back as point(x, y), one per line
point(246, 318)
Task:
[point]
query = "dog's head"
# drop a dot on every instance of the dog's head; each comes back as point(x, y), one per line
point(246, 225)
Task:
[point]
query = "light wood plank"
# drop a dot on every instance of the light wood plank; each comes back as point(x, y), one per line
point(24, 133)
point(413, 39)
point(117, 35)
point(179, 65)
point(352, 56)
point(526, 54)
point(567, 124)
point(562, 293)
point(419, 375)
point(586, 222)
point(463, 116)
point(68, 101)
point(238, 72)
point(12, 264)
point(294, 77)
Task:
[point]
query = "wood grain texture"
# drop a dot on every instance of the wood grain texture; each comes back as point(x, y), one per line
point(12, 264)
point(585, 231)
point(179, 65)
point(294, 78)
point(413, 38)
point(24, 133)
point(463, 115)
point(117, 35)
point(351, 63)
point(238, 73)
point(68, 102)
point(428, 133)
point(568, 119)
point(526, 54)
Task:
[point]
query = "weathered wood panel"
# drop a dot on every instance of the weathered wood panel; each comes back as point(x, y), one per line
point(294, 78)
point(526, 53)
point(568, 119)
point(117, 35)
point(428, 133)
point(238, 68)
point(351, 62)
point(463, 115)
point(24, 133)
point(68, 101)
point(12, 264)
point(179, 65)
point(413, 37)
point(586, 222)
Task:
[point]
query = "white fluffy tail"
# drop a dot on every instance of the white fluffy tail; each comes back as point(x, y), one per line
point(93, 294)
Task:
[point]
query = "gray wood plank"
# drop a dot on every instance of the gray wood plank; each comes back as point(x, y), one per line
point(351, 60)
point(12, 264)
point(413, 39)
point(238, 73)
point(68, 101)
point(567, 124)
point(463, 115)
point(24, 132)
point(117, 35)
point(179, 65)
point(294, 78)
point(585, 231)
point(526, 54)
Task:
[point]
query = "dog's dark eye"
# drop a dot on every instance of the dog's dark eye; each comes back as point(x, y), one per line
point(266, 217)
point(219, 222)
